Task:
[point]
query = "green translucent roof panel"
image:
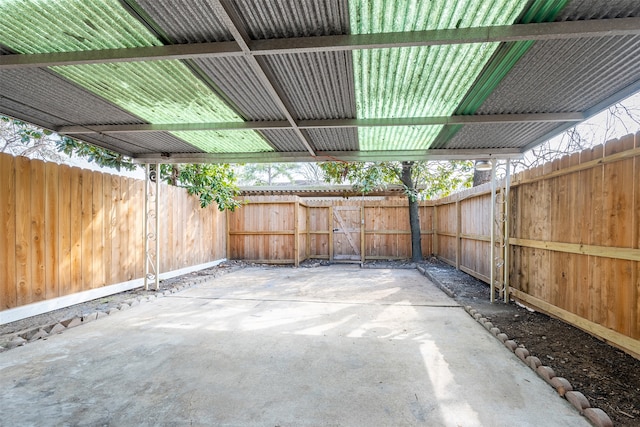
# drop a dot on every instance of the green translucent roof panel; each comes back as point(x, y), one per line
point(505, 57)
point(158, 92)
point(69, 25)
point(244, 141)
point(419, 81)
point(397, 138)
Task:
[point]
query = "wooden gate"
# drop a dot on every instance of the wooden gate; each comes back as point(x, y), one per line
point(347, 233)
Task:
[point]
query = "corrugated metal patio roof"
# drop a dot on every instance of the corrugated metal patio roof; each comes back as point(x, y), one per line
point(307, 80)
point(324, 191)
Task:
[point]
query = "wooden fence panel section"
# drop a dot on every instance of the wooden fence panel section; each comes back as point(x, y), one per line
point(67, 230)
point(574, 235)
point(253, 235)
point(426, 226)
point(264, 231)
point(320, 226)
point(474, 234)
point(302, 233)
point(446, 230)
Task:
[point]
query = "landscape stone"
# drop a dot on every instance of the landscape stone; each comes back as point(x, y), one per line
point(57, 328)
point(72, 323)
point(533, 362)
point(598, 417)
point(39, 335)
point(511, 345)
point(562, 385)
point(546, 373)
point(89, 317)
point(16, 342)
point(578, 400)
point(522, 353)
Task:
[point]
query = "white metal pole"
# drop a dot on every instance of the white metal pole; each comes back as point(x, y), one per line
point(157, 210)
point(492, 284)
point(507, 179)
point(145, 219)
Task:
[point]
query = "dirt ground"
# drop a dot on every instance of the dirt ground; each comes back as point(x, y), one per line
point(608, 377)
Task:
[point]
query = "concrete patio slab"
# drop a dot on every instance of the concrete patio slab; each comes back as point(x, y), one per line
point(328, 346)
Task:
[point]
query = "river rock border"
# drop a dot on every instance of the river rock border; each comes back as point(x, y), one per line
point(597, 416)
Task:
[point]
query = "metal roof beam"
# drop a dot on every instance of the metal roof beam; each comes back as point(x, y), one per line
point(134, 54)
point(331, 123)
point(331, 156)
point(489, 34)
point(233, 22)
point(173, 127)
point(246, 47)
point(444, 120)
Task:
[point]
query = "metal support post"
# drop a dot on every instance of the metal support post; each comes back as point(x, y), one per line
point(492, 231)
point(152, 226)
point(507, 180)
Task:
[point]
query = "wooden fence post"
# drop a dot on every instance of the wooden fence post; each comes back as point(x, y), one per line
point(330, 228)
point(296, 233)
point(362, 241)
point(228, 254)
point(458, 230)
point(308, 248)
point(435, 230)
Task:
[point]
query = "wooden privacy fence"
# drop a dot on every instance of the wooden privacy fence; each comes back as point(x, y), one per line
point(574, 234)
point(287, 230)
point(574, 239)
point(67, 230)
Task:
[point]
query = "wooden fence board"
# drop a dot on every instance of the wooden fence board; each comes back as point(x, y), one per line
point(87, 230)
point(115, 217)
point(123, 229)
point(635, 320)
point(23, 231)
point(52, 229)
point(108, 232)
point(139, 237)
point(97, 229)
point(167, 225)
point(37, 244)
point(75, 283)
point(8, 285)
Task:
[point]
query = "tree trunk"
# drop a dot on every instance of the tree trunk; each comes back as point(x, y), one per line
point(414, 214)
point(480, 177)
